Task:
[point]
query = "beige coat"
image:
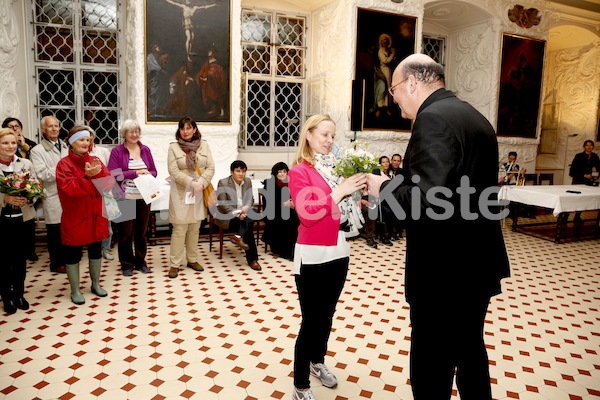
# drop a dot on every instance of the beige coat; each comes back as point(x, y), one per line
point(45, 157)
point(181, 179)
point(21, 164)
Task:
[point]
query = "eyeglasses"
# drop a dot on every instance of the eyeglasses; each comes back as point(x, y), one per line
point(14, 127)
point(391, 89)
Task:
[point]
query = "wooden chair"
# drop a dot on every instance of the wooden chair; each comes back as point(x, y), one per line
point(258, 227)
point(211, 225)
point(531, 179)
point(546, 177)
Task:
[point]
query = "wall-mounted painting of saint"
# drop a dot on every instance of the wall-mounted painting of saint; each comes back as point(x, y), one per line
point(383, 40)
point(188, 60)
point(520, 85)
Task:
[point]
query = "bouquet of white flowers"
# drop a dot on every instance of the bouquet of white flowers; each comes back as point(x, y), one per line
point(355, 160)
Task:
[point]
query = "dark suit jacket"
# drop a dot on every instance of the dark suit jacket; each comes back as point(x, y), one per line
point(450, 139)
point(226, 196)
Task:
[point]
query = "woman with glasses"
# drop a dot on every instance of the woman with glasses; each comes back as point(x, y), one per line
point(128, 161)
point(24, 145)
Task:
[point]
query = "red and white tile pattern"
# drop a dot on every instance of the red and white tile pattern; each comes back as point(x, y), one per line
point(228, 333)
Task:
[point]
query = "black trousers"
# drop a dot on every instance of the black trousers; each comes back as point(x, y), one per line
point(133, 233)
point(55, 246)
point(447, 336)
point(30, 236)
point(245, 229)
point(14, 260)
point(319, 287)
point(73, 254)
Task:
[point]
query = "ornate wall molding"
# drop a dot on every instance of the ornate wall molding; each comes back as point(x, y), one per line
point(9, 46)
point(474, 72)
point(524, 17)
point(573, 79)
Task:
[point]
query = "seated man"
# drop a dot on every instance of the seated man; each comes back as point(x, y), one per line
point(234, 194)
point(512, 169)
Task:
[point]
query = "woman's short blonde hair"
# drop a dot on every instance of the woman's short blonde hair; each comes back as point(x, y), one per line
point(304, 152)
point(7, 131)
point(130, 125)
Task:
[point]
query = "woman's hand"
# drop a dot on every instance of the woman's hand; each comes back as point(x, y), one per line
point(141, 172)
point(197, 187)
point(16, 201)
point(93, 168)
point(349, 186)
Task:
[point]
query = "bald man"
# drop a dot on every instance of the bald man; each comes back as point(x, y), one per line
point(455, 254)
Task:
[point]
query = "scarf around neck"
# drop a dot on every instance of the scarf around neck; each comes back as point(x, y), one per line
point(190, 148)
point(348, 208)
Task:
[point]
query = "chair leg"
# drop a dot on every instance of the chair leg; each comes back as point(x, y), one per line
point(211, 224)
point(220, 242)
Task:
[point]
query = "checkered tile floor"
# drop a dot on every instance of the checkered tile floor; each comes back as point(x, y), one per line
point(228, 333)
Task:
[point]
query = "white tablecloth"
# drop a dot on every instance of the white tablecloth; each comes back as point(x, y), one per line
point(162, 203)
point(554, 197)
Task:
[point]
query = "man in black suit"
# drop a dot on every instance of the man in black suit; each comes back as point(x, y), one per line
point(455, 253)
point(235, 197)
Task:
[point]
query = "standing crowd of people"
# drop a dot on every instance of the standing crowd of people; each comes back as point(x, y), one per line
point(308, 212)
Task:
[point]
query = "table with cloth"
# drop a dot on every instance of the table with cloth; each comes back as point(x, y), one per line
point(560, 199)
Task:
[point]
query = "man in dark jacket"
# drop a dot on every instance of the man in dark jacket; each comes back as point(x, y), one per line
point(455, 253)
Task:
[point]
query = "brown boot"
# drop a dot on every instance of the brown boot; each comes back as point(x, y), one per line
point(195, 266)
point(173, 272)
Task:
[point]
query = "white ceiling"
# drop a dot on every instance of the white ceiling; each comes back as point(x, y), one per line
point(589, 5)
point(451, 15)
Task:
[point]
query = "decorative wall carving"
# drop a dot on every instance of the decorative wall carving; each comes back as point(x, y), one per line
point(9, 44)
point(525, 18)
point(475, 70)
point(573, 78)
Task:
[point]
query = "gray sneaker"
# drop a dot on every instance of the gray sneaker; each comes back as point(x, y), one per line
point(303, 394)
point(321, 371)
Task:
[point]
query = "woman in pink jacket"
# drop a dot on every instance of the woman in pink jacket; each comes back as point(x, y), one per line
point(80, 179)
point(326, 211)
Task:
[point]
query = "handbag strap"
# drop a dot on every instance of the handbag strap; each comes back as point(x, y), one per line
point(198, 171)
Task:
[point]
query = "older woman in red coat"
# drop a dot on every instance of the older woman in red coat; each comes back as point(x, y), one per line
point(81, 178)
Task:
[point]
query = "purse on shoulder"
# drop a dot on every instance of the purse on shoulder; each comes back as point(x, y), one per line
point(208, 194)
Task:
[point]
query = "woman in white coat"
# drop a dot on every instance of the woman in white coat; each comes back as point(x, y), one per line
point(191, 168)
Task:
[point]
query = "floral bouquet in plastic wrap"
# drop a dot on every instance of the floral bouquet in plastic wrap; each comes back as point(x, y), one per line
point(22, 184)
point(353, 161)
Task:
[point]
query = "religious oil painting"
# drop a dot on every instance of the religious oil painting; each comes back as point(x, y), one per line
point(521, 69)
point(188, 60)
point(382, 41)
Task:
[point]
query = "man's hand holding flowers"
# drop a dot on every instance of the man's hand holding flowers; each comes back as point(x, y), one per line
point(354, 164)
